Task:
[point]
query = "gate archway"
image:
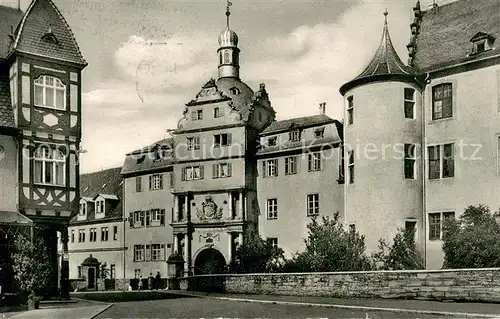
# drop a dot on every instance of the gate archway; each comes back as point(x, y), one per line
point(209, 261)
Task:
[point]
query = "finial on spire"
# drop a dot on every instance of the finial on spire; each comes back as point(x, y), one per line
point(385, 15)
point(228, 12)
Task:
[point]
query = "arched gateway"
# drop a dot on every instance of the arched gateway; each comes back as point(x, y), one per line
point(209, 261)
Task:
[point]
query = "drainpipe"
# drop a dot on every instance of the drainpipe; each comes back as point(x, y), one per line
point(424, 176)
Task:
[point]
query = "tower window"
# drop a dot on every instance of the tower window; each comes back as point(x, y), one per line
point(409, 103)
point(409, 161)
point(350, 110)
point(50, 92)
point(235, 91)
point(226, 57)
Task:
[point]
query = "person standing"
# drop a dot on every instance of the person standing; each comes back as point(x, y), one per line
point(158, 280)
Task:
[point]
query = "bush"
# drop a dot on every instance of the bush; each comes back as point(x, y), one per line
point(401, 255)
point(472, 241)
point(330, 247)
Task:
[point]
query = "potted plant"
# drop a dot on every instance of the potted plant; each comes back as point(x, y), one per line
point(32, 267)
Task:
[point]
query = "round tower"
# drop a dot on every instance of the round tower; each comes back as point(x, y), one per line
point(383, 138)
point(228, 51)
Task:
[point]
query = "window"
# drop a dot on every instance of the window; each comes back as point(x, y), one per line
point(138, 184)
point(112, 271)
point(104, 233)
point(157, 252)
point(139, 253)
point(81, 235)
point(99, 206)
point(155, 182)
point(294, 136)
point(272, 208)
point(218, 112)
point(319, 132)
point(79, 271)
point(341, 179)
point(274, 242)
point(270, 167)
point(314, 162)
point(409, 161)
point(272, 141)
point(234, 91)
point(312, 204)
point(442, 106)
point(190, 173)
point(50, 92)
point(222, 140)
point(221, 170)
point(157, 217)
point(351, 167)
point(197, 115)
point(115, 232)
point(411, 226)
point(83, 209)
point(137, 273)
point(138, 218)
point(352, 228)
point(193, 143)
point(441, 161)
point(350, 110)
point(50, 166)
point(436, 221)
point(72, 235)
point(93, 235)
point(290, 165)
point(409, 103)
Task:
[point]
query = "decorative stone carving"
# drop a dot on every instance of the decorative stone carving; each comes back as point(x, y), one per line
point(209, 210)
point(209, 238)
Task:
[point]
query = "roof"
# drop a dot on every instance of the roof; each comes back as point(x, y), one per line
point(299, 122)
point(43, 18)
point(300, 145)
point(9, 19)
point(385, 63)
point(145, 160)
point(104, 182)
point(107, 196)
point(445, 32)
point(6, 111)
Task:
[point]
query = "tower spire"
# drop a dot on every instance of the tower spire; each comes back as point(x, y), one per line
point(228, 13)
point(385, 15)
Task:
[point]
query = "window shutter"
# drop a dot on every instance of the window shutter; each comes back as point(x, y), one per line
point(162, 217)
point(201, 171)
point(310, 162)
point(148, 218)
point(183, 173)
point(276, 167)
point(148, 253)
point(161, 181)
point(264, 168)
point(229, 138)
point(229, 169)
point(150, 182)
point(131, 219)
point(215, 171)
point(142, 218)
point(162, 252)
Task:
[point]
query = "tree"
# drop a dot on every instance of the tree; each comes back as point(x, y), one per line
point(401, 255)
point(330, 247)
point(257, 255)
point(31, 264)
point(472, 240)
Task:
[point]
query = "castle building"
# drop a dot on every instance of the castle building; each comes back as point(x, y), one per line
point(148, 206)
point(40, 129)
point(97, 231)
point(440, 116)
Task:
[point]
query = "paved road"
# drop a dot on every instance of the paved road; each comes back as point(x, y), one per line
point(213, 308)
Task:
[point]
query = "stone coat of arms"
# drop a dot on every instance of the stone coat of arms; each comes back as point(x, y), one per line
point(209, 210)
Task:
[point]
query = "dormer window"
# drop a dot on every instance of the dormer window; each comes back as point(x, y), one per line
point(295, 136)
point(234, 91)
point(49, 37)
point(141, 159)
point(99, 206)
point(481, 42)
point(83, 209)
point(272, 141)
point(319, 132)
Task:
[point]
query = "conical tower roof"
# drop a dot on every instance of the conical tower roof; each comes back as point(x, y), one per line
point(385, 64)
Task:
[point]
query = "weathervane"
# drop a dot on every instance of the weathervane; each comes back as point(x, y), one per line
point(228, 13)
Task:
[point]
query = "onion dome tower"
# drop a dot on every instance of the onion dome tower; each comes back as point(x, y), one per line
point(228, 51)
point(382, 132)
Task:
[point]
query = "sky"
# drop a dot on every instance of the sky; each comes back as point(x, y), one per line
point(148, 58)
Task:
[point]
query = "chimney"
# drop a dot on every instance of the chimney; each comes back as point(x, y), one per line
point(322, 108)
point(433, 5)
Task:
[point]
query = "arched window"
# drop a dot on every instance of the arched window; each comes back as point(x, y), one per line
point(50, 92)
point(50, 166)
point(226, 57)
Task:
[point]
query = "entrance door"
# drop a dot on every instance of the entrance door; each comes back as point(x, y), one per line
point(209, 261)
point(91, 278)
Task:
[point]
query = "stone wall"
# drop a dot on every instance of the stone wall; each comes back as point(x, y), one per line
point(459, 285)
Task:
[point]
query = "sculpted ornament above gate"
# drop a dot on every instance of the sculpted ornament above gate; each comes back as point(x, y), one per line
point(209, 210)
